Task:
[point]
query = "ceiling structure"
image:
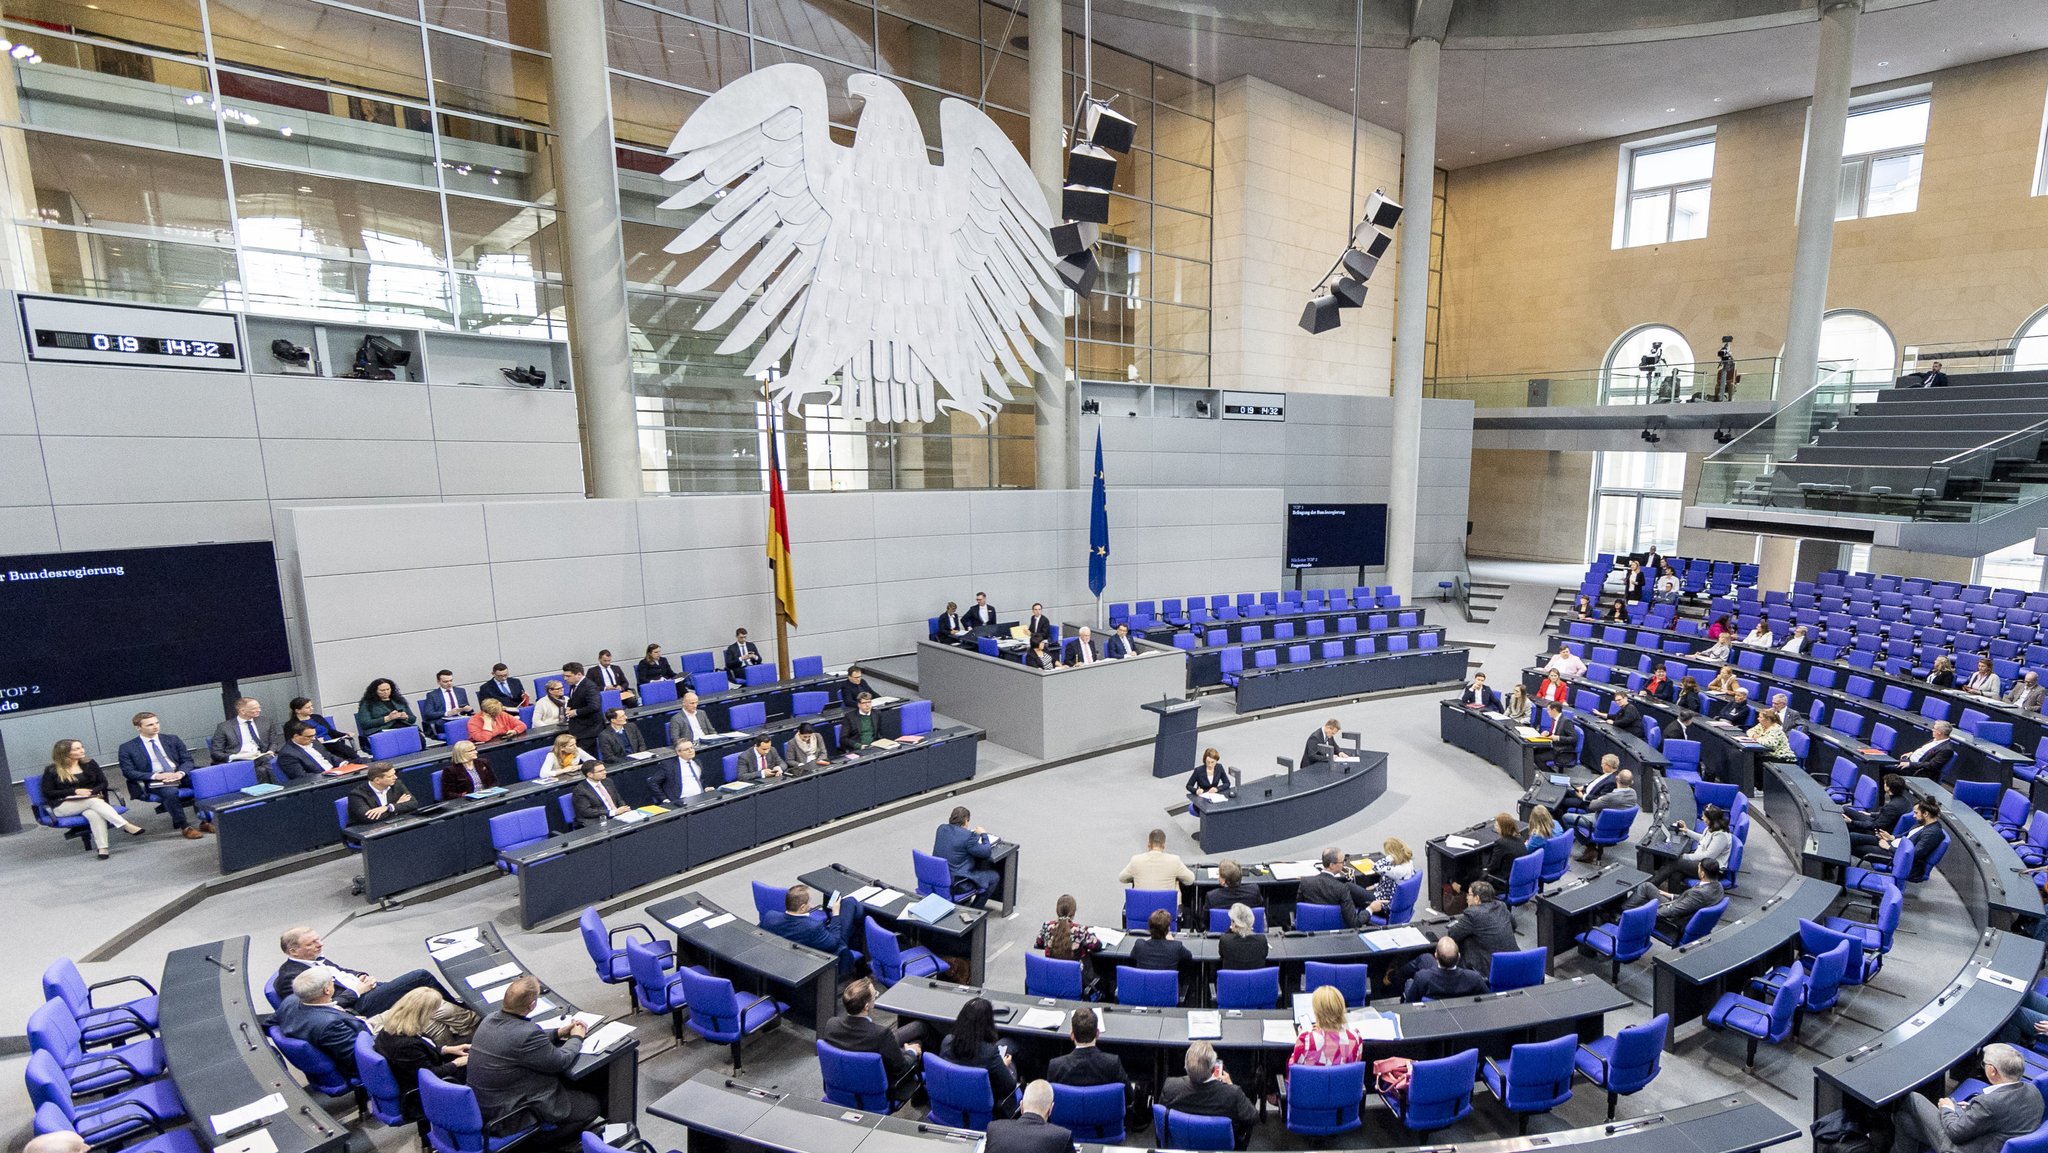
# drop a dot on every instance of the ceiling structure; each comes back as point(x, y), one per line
point(1527, 76)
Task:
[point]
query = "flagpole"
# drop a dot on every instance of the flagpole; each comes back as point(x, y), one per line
point(781, 618)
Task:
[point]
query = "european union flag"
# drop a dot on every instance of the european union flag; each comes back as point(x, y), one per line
point(1098, 529)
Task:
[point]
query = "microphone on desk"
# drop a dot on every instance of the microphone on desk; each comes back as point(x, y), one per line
point(307, 1112)
point(244, 1027)
point(218, 962)
point(1855, 1053)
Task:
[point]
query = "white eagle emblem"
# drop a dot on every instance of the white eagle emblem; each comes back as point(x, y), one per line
point(907, 278)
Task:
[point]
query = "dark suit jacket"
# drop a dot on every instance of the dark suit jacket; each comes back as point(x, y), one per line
point(738, 657)
point(1934, 764)
point(749, 764)
point(1483, 930)
point(408, 1055)
point(862, 1035)
point(1934, 380)
point(1674, 912)
point(1200, 782)
point(456, 783)
point(1319, 749)
point(1982, 1124)
point(1223, 896)
point(227, 738)
point(609, 677)
point(829, 936)
point(1165, 953)
point(135, 766)
point(1736, 712)
point(657, 669)
point(363, 798)
point(1564, 740)
point(618, 744)
point(1212, 1098)
point(589, 706)
point(1324, 889)
point(513, 1064)
point(1437, 983)
point(849, 693)
point(1117, 648)
point(1070, 654)
point(1601, 785)
point(1487, 700)
point(850, 737)
point(962, 850)
point(949, 623)
point(281, 984)
point(1039, 630)
point(588, 807)
point(434, 708)
point(1086, 1066)
point(294, 762)
point(980, 616)
point(1027, 1133)
point(1628, 719)
point(513, 693)
point(325, 1027)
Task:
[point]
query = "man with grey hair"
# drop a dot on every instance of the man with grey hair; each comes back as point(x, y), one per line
point(514, 1064)
point(1931, 760)
point(2011, 1107)
point(1029, 1131)
point(1207, 1091)
point(310, 1015)
point(355, 990)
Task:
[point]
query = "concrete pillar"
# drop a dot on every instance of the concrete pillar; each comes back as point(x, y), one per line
point(1411, 312)
point(588, 203)
point(1049, 112)
point(1820, 185)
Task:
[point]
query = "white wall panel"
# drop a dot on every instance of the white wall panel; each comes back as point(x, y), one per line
point(345, 468)
point(545, 529)
point(21, 472)
point(119, 470)
point(533, 588)
point(496, 468)
point(366, 604)
point(30, 529)
point(462, 413)
point(453, 533)
point(89, 400)
point(98, 526)
point(17, 404)
point(308, 408)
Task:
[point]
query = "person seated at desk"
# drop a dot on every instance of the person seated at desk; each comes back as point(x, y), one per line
point(1478, 696)
point(1553, 688)
point(360, 993)
point(862, 727)
point(832, 935)
point(1719, 651)
point(1983, 682)
point(380, 795)
point(1584, 609)
point(466, 772)
point(1394, 863)
point(973, 1042)
point(983, 614)
point(1332, 885)
point(1796, 642)
point(553, 705)
point(156, 764)
point(854, 1031)
point(382, 709)
point(1669, 587)
point(310, 1015)
point(516, 1065)
point(807, 749)
point(1445, 976)
point(1770, 733)
point(1322, 748)
point(691, 722)
point(1328, 1040)
point(403, 1042)
point(1080, 650)
point(1659, 686)
point(493, 721)
point(1563, 752)
point(689, 775)
point(1734, 710)
point(619, 739)
point(1925, 833)
point(1934, 759)
point(1614, 788)
point(1207, 1091)
point(1086, 1064)
point(1943, 674)
point(1689, 698)
point(1156, 949)
point(1782, 704)
point(1675, 909)
point(1565, 663)
point(1507, 848)
point(1230, 890)
point(1761, 636)
point(564, 759)
point(856, 684)
point(1064, 939)
point(595, 800)
point(1542, 827)
point(1713, 845)
point(2026, 693)
point(75, 785)
point(967, 853)
point(302, 756)
point(1624, 715)
point(1038, 627)
point(1617, 611)
point(655, 667)
point(1517, 705)
point(2010, 1107)
point(950, 628)
point(1864, 824)
point(1041, 656)
point(611, 678)
point(1210, 780)
point(339, 747)
point(1155, 868)
point(1029, 1131)
point(1120, 645)
point(1724, 682)
point(503, 688)
point(245, 737)
point(762, 762)
point(739, 655)
point(1486, 927)
point(1242, 946)
point(443, 702)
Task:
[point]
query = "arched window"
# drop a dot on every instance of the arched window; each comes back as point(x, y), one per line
point(1626, 382)
point(1858, 343)
point(2030, 350)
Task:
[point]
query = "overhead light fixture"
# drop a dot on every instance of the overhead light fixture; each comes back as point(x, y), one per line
point(1078, 272)
point(1105, 127)
point(1381, 212)
point(1344, 285)
point(1075, 237)
point(1320, 315)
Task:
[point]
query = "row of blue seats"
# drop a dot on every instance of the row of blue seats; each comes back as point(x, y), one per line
point(1316, 627)
point(1232, 658)
point(1229, 607)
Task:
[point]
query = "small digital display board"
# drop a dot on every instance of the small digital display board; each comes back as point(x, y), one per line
point(70, 331)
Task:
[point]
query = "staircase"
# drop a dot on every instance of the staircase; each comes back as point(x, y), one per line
point(1482, 599)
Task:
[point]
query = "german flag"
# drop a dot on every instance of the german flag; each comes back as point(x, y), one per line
point(778, 533)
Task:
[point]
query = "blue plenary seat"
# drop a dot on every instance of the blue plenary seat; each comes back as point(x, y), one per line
point(854, 1080)
point(1092, 1113)
point(1140, 904)
point(1626, 1062)
point(960, 1094)
point(101, 1022)
point(1758, 1020)
point(1173, 1129)
point(1536, 1079)
point(516, 830)
point(721, 1014)
point(1051, 977)
point(1350, 980)
point(1323, 1100)
point(1439, 1093)
point(1159, 988)
point(1625, 940)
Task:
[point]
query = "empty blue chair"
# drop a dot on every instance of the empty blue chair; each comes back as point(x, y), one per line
point(1312, 918)
point(1231, 664)
point(516, 830)
point(755, 676)
point(1398, 643)
point(808, 704)
point(53, 1030)
point(657, 986)
point(391, 743)
point(100, 1022)
point(455, 1124)
point(1248, 988)
point(389, 1102)
point(1092, 1113)
point(914, 718)
point(1350, 980)
point(1266, 659)
point(960, 1094)
point(1979, 795)
point(1155, 987)
point(1625, 940)
point(718, 1013)
point(854, 1080)
point(747, 716)
point(1518, 970)
point(811, 666)
point(1139, 905)
point(892, 962)
point(607, 955)
point(1626, 1062)
point(1051, 977)
point(1323, 1100)
point(1758, 1020)
point(153, 1105)
point(1219, 920)
point(454, 729)
point(1439, 1093)
point(1842, 780)
point(1536, 1079)
point(711, 681)
point(657, 692)
point(1173, 1129)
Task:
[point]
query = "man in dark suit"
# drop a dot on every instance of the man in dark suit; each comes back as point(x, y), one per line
point(861, 728)
point(310, 1015)
point(1207, 1091)
point(856, 684)
point(1934, 377)
point(1029, 1131)
point(1564, 740)
point(503, 688)
point(854, 1031)
point(593, 799)
point(514, 1065)
point(1478, 696)
point(1933, 759)
point(156, 764)
point(380, 795)
point(1734, 710)
point(1039, 626)
point(762, 762)
point(2010, 1108)
point(1332, 886)
point(355, 990)
point(619, 739)
point(443, 702)
point(950, 629)
point(301, 754)
point(1674, 910)
point(1864, 825)
point(1119, 645)
point(1231, 890)
point(582, 709)
point(1625, 716)
point(983, 614)
point(832, 935)
point(612, 678)
point(739, 654)
point(1448, 977)
point(967, 852)
point(1925, 834)
point(1087, 1064)
point(1322, 746)
point(246, 736)
point(1080, 650)
point(1486, 927)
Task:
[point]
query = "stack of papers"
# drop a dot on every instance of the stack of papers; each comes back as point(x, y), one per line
point(689, 918)
point(599, 1040)
point(503, 973)
point(1277, 1032)
point(1373, 1025)
point(1294, 870)
point(630, 817)
point(590, 1021)
point(736, 786)
point(261, 789)
point(1205, 1025)
point(1110, 938)
point(449, 945)
point(257, 1110)
point(1042, 1019)
point(493, 791)
point(651, 810)
point(886, 743)
point(931, 910)
point(1400, 937)
point(1454, 841)
point(722, 919)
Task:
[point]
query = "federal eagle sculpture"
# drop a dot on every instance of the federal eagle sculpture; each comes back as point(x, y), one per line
point(923, 288)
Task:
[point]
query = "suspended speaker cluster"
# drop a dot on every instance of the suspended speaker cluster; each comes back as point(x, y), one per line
point(1344, 285)
point(1100, 134)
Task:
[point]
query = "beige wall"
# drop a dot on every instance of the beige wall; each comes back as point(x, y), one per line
point(1280, 221)
point(1532, 282)
point(1530, 505)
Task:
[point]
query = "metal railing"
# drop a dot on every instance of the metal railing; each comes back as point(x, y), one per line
point(1682, 383)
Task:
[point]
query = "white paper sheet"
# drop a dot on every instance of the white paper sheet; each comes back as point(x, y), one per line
point(1998, 978)
point(1399, 937)
point(503, 972)
point(1454, 841)
point(1205, 1025)
point(1041, 1019)
point(456, 949)
point(1371, 1025)
point(1278, 1032)
point(254, 1111)
point(689, 918)
point(864, 894)
point(1293, 870)
point(1110, 938)
point(715, 922)
point(590, 1021)
point(602, 1039)
point(885, 897)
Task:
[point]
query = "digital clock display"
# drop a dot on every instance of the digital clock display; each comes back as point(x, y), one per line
point(118, 342)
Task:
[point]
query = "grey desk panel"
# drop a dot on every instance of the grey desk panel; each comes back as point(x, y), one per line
point(1050, 714)
point(1312, 798)
point(1982, 865)
point(1492, 740)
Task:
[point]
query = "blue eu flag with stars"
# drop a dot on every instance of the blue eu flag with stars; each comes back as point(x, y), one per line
point(1098, 529)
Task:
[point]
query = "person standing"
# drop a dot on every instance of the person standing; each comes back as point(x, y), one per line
point(583, 711)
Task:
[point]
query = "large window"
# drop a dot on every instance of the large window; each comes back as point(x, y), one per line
point(1650, 364)
point(1668, 189)
point(1858, 344)
point(2015, 567)
point(1636, 501)
point(1881, 159)
point(2031, 349)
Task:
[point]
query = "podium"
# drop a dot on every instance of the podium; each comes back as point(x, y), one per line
point(1173, 750)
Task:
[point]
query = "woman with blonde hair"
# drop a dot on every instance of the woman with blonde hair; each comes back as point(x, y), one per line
point(74, 785)
point(1723, 683)
point(563, 759)
point(1395, 862)
point(1542, 826)
point(466, 773)
point(406, 1037)
point(493, 720)
point(1329, 1041)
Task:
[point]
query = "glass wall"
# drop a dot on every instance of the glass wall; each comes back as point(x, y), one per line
point(1636, 502)
point(393, 160)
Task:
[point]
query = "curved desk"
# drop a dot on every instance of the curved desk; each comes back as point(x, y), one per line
point(1348, 676)
point(219, 1058)
point(754, 959)
point(1983, 867)
point(1279, 807)
point(1691, 978)
point(1490, 736)
point(1289, 952)
point(1807, 821)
